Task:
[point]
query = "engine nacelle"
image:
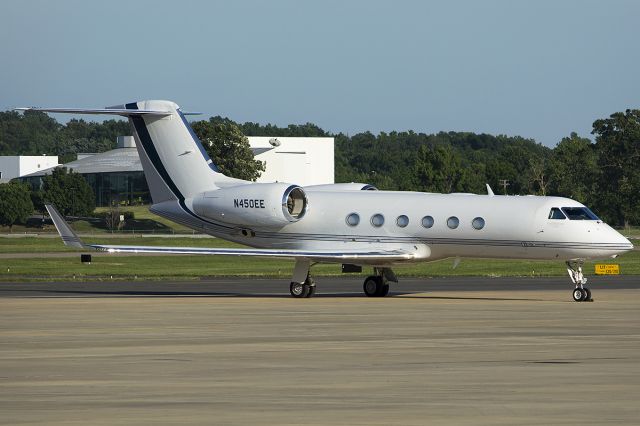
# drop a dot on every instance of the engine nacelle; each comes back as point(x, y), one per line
point(256, 204)
point(341, 187)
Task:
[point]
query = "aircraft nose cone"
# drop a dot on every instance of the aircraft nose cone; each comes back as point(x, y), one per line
point(621, 241)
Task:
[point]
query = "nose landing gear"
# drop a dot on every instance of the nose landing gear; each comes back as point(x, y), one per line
point(580, 292)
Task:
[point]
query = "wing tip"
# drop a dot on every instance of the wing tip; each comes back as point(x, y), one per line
point(68, 236)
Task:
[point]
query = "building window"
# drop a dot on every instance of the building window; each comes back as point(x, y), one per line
point(377, 220)
point(477, 223)
point(353, 219)
point(453, 222)
point(427, 222)
point(402, 221)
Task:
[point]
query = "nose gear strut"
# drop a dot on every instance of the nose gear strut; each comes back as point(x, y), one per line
point(580, 292)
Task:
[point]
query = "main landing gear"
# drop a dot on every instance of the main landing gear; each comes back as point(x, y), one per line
point(580, 292)
point(303, 286)
point(378, 285)
point(304, 289)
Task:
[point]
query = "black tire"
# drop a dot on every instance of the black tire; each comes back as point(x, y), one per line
point(312, 291)
point(587, 294)
point(384, 290)
point(299, 290)
point(578, 294)
point(372, 286)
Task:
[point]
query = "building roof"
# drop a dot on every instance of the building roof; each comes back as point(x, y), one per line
point(115, 161)
point(315, 168)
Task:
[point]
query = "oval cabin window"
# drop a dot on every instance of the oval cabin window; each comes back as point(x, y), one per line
point(478, 223)
point(427, 222)
point(377, 220)
point(402, 221)
point(353, 219)
point(453, 222)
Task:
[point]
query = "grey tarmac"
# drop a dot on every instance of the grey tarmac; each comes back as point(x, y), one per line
point(241, 351)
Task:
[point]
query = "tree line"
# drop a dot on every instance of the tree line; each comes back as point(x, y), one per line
point(604, 174)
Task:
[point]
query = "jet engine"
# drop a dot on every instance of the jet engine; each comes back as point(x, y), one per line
point(256, 204)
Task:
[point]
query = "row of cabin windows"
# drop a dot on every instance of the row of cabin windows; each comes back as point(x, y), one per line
point(377, 220)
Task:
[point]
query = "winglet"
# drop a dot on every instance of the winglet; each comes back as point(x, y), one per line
point(69, 237)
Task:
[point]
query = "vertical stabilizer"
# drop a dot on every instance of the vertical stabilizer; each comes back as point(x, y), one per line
point(175, 163)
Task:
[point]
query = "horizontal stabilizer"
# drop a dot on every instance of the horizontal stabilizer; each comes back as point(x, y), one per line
point(109, 111)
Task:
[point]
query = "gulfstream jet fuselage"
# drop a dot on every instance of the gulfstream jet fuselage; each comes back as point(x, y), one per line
point(349, 223)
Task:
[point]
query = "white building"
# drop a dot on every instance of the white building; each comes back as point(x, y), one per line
point(300, 160)
point(117, 174)
point(13, 166)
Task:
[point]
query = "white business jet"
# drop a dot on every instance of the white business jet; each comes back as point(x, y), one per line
point(352, 224)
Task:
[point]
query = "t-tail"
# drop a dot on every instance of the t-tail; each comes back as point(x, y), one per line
point(176, 165)
point(185, 184)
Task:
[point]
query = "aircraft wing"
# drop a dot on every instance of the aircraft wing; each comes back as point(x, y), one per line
point(70, 239)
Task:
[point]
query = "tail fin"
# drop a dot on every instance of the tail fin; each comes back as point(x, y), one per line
point(175, 163)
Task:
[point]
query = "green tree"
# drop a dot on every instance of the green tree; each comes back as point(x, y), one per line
point(69, 192)
point(539, 175)
point(439, 169)
point(229, 149)
point(574, 169)
point(15, 204)
point(618, 149)
point(88, 136)
point(35, 133)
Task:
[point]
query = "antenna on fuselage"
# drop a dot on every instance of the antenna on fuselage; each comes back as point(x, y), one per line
point(490, 191)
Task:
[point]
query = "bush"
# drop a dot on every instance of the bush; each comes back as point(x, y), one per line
point(15, 203)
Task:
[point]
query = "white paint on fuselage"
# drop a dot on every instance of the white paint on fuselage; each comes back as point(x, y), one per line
point(516, 227)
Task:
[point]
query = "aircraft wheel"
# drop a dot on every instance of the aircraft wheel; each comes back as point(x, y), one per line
point(579, 295)
point(312, 291)
point(299, 290)
point(587, 292)
point(384, 290)
point(372, 286)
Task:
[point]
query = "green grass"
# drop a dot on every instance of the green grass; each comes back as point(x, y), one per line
point(142, 213)
point(195, 267)
point(144, 222)
point(631, 232)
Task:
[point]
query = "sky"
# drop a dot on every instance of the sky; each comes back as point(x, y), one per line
point(539, 69)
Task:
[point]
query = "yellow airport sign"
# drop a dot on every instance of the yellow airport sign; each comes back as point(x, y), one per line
point(607, 269)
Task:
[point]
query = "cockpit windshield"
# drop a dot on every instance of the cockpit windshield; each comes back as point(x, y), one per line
point(555, 213)
point(579, 213)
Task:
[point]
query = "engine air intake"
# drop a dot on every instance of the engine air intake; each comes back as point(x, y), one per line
point(294, 203)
